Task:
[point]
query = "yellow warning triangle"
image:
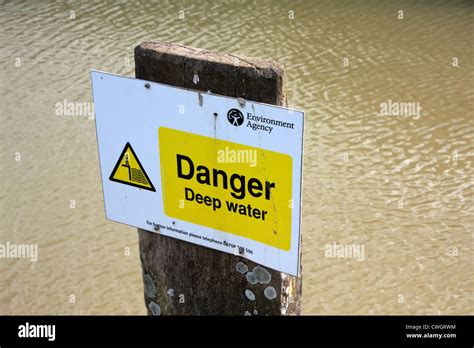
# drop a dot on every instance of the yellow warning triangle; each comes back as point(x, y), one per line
point(129, 170)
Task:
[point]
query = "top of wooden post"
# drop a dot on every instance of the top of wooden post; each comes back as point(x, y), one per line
point(254, 79)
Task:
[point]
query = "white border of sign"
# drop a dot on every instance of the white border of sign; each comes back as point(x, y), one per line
point(127, 111)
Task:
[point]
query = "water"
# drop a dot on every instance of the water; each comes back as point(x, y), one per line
point(401, 187)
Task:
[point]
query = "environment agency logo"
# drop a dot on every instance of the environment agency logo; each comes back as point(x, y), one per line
point(235, 117)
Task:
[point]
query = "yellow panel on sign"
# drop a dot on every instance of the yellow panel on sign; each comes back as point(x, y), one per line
point(227, 186)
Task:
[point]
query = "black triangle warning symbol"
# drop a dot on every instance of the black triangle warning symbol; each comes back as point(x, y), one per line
point(129, 170)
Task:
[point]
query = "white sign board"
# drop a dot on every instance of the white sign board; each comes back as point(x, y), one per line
point(201, 167)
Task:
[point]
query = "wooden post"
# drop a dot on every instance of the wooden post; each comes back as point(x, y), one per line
point(181, 278)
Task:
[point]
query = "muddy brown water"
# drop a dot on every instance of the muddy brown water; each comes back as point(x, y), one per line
point(398, 187)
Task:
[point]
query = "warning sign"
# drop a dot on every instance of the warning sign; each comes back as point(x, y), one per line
point(204, 186)
point(204, 168)
point(129, 170)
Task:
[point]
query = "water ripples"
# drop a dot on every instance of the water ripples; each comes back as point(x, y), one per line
point(401, 187)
